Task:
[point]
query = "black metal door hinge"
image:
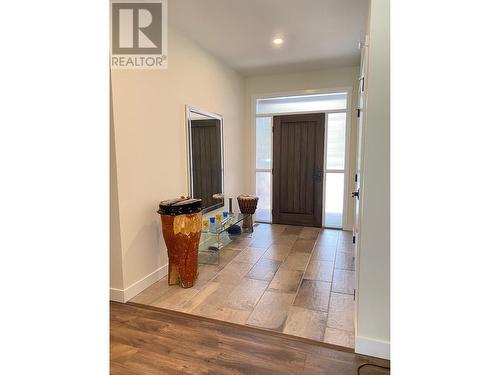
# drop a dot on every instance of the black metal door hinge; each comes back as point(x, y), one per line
point(359, 112)
point(353, 239)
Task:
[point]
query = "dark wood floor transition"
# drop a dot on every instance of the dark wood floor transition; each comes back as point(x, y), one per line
point(147, 341)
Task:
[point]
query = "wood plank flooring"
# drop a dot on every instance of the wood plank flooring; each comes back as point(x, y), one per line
point(291, 279)
point(148, 341)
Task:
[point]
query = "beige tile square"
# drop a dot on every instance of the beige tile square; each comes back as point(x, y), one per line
point(327, 241)
point(153, 292)
point(313, 295)
point(207, 309)
point(319, 270)
point(292, 229)
point(277, 252)
point(175, 299)
point(262, 241)
point(264, 227)
point(305, 323)
point(239, 242)
point(207, 293)
point(345, 261)
point(236, 246)
point(323, 253)
point(227, 314)
point(264, 269)
point(309, 233)
point(245, 295)
point(341, 312)
point(268, 235)
point(226, 255)
point(271, 311)
point(207, 272)
point(297, 261)
point(303, 246)
point(345, 235)
point(343, 281)
point(330, 233)
point(209, 300)
point(345, 247)
point(286, 280)
point(285, 239)
point(339, 337)
point(277, 228)
point(250, 255)
point(233, 273)
point(345, 240)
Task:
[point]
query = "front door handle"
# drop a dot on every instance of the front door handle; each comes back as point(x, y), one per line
point(318, 175)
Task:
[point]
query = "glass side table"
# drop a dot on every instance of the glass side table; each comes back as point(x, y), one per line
point(212, 242)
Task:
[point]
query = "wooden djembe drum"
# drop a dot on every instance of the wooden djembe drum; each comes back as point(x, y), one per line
point(248, 205)
point(181, 226)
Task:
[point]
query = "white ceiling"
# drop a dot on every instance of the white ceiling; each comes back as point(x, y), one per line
point(316, 33)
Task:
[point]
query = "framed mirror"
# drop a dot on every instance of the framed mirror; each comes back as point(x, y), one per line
point(205, 156)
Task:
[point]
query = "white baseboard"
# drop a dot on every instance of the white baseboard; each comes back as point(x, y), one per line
point(372, 347)
point(116, 295)
point(123, 295)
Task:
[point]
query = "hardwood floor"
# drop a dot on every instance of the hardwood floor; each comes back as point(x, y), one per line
point(148, 341)
point(292, 279)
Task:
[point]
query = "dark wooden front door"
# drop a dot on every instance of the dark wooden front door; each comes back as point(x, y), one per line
point(298, 144)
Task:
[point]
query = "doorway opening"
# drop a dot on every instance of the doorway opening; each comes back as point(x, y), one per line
point(303, 176)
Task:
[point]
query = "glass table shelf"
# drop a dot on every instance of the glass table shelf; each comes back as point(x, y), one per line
point(211, 242)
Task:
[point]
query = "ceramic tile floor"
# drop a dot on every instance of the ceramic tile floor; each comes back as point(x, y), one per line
point(295, 280)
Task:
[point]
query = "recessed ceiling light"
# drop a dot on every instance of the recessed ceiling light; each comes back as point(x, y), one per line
point(278, 41)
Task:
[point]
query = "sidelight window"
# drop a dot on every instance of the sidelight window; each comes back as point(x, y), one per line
point(263, 165)
point(335, 169)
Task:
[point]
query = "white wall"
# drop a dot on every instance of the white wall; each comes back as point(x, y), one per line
point(373, 315)
point(312, 80)
point(115, 252)
point(150, 140)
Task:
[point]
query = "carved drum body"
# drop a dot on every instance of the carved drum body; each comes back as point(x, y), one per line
point(248, 205)
point(181, 227)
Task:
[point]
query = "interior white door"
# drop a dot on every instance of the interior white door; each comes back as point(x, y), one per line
point(358, 177)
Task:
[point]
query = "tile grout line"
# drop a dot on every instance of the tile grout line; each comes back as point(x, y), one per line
point(305, 269)
point(331, 289)
point(300, 284)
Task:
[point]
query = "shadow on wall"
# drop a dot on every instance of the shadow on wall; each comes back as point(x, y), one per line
point(146, 252)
